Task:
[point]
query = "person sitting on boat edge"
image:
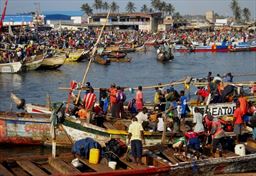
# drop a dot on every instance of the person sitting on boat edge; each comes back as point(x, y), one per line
point(136, 137)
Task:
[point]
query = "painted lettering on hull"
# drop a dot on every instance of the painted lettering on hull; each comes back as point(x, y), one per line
point(219, 109)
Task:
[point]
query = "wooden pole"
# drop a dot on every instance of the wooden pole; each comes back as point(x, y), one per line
point(91, 58)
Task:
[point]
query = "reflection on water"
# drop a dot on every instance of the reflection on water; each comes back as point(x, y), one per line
point(143, 70)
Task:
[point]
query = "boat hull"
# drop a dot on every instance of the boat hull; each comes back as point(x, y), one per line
point(53, 62)
point(33, 65)
point(28, 129)
point(12, 67)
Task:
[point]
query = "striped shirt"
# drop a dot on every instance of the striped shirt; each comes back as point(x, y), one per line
point(89, 100)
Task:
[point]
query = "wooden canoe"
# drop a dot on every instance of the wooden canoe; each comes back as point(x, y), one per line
point(28, 129)
point(77, 130)
point(99, 60)
point(12, 67)
point(56, 61)
point(32, 63)
point(120, 59)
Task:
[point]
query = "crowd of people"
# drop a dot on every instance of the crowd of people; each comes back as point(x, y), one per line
point(173, 105)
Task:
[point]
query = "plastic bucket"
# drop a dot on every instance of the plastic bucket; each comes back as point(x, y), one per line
point(112, 164)
point(240, 149)
point(94, 156)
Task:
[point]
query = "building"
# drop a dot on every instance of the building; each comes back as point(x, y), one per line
point(136, 21)
point(209, 15)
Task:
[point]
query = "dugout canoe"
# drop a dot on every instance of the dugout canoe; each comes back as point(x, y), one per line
point(53, 62)
point(32, 63)
point(28, 129)
point(11, 67)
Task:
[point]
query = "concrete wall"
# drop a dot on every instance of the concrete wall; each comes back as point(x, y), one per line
point(76, 19)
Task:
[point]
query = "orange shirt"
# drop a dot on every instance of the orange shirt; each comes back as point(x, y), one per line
point(243, 105)
point(82, 114)
point(238, 116)
point(112, 95)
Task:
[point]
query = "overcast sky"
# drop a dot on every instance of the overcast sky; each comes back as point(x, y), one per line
point(193, 7)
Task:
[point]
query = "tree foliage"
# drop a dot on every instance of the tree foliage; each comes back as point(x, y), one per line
point(246, 14)
point(130, 7)
point(86, 8)
point(114, 7)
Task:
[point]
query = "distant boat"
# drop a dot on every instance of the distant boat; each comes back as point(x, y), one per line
point(54, 61)
point(32, 63)
point(11, 67)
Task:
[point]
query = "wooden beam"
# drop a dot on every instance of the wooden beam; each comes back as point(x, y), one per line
point(169, 155)
point(31, 168)
point(4, 171)
point(96, 167)
point(62, 167)
point(19, 171)
point(49, 169)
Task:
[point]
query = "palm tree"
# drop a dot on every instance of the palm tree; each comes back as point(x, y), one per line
point(236, 10)
point(97, 4)
point(155, 4)
point(105, 6)
point(130, 7)
point(161, 6)
point(87, 9)
point(114, 7)
point(238, 13)
point(246, 14)
point(169, 9)
point(144, 8)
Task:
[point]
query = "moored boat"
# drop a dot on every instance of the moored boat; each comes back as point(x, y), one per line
point(32, 63)
point(11, 67)
point(28, 129)
point(99, 60)
point(54, 61)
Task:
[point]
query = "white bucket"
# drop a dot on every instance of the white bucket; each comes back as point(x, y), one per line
point(240, 149)
point(112, 164)
point(75, 162)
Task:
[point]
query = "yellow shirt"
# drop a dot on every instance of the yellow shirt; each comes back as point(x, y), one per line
point(135, 129)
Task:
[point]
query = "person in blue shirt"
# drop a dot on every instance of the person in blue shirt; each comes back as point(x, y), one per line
point(184, 108)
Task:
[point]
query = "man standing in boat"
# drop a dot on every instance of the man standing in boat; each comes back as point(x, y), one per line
point(89, 101)
point(139, 99)
point(135, 137)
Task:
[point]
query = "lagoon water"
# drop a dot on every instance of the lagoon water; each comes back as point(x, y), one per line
point(144, 70)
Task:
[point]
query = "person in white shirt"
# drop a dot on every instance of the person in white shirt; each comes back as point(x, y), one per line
point(136, 136)
point(198, 121)
point(142, 116)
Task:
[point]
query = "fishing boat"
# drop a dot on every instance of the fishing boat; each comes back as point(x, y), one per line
point(120, 59)
point(28, 129)
point(53, 61)
point(32, 63)
point(151, 42)
point(140, 48)
point(239, 46)
point(77, 55)
point(99, 60)
point(164, 56)
point(78, 129)
point(163, 162)
point(11, 67)
point(114, 54)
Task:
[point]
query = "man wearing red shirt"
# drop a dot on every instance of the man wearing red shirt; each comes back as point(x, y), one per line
point(238, 121)
point(89, 101)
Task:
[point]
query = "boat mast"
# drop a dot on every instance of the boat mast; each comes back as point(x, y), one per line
point(91, 58)
point(3, 14)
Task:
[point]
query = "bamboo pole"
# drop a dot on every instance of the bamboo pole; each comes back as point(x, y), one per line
point(91, 58)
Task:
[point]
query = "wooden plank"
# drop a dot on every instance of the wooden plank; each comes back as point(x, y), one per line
point(19, 171)
point(108, 125)
point(132, 165)
point(62, 167)
point(49, 169)
point(4, 171)
point(169, 155)
point(31, 168)
point(97, 167)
